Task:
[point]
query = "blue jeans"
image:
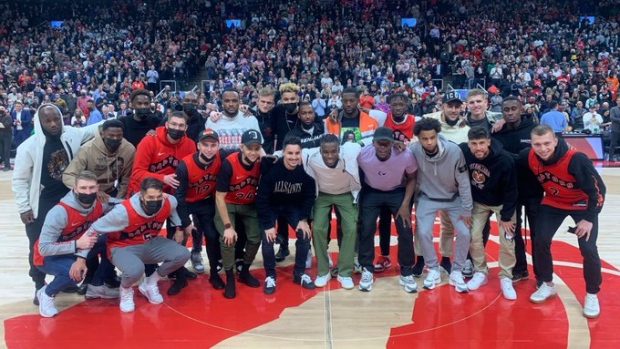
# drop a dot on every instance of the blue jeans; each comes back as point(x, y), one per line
point(302, 245)
point(59, 266)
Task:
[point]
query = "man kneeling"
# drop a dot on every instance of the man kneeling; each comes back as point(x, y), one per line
point(133, 227)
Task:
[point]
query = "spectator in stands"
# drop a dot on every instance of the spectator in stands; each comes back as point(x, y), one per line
point(22, 122)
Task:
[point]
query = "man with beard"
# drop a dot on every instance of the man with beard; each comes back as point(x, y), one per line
point(141, 121)
point(444, 185)
point(110, 157)
point(231, 123)
point(307, 130)
point(37, 177)
point(515, 136)
point(158, 157)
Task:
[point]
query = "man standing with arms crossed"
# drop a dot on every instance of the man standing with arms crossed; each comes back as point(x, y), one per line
point(444, 185)
point(573, 188)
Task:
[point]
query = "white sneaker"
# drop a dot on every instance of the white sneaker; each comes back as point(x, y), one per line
point(102, 291)
point(468, 269)
point(126, 294)
point(591, 308)
point(366, 281)
point(151, 292)
point(433, 277)
point(543, 293)
point(309, 259)
point(479, 279)
point(329, 259)
point(357, 267)
point(458, 281)
point(409, 283)
point(47, 308)
point(507, 290)
point(321, 281)
point(346, 282)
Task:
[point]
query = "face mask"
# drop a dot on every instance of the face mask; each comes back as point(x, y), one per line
point(175, 134)
point(452, 122)
point(152, 207)
point(112, 144)
point(188, 108)
point(142, 113)
point(290, 107)
point(205, 158)
point(87, 199)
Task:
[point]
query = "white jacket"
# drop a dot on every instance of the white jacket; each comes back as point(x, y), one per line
point(26, 183)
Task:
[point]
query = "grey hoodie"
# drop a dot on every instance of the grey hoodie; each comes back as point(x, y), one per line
point(57, 219)
point(444, 176)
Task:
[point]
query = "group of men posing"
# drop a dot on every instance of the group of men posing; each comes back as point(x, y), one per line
point(240, 180)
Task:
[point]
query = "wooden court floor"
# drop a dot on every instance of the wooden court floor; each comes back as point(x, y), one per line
point(200, 317)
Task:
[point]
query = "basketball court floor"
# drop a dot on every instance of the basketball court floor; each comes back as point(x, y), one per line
point(200, 317)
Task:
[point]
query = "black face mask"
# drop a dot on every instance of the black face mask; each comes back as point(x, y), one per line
point(188, 108)
point(152, 207)
point(175, 134)
point(205, 158)
point(289, 107)
point(112, 144)
point(142, 113)
point(87, 199)
point(452, 122)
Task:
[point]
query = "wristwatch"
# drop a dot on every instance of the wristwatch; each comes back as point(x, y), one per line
point(227, 226)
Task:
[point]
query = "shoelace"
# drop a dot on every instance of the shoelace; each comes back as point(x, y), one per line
point(305, 278)
point(271, 282)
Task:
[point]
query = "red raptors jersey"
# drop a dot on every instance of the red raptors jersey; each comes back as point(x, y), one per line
point(404, 131)
point(77, 225)
point(242, 182)
point(201, 182)
point(139, 228)
point(559, 185)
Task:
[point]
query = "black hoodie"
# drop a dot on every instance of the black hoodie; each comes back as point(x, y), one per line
point(514, 141)
point(308, 140)
point(493, 179)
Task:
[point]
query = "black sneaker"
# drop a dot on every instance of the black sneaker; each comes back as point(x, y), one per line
point(70, 289)
point(305, 281)
point(283, 252)
point(82, 289)
point(230, 290)
point(239, 265)
point(418, 268)
point(216, 281)
point(446, 264)
point(178, 284)
point(270, 285)
point(113, 281)
point(188, 273)
point(246, 278)
point(520, 275)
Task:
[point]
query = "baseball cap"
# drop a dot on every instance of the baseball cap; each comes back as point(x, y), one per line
point(251, 136)
point(451, 96)
point(208, 133)
point(383, 133)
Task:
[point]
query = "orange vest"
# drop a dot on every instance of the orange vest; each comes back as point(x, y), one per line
point(77, 225)
point(200, 181)
point(243, 183)
point(139, 229)
point(367, 126)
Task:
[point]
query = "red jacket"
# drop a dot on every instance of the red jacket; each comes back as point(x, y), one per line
point(156, 157)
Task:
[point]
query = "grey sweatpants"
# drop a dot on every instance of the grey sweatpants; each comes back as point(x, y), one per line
point(425, 212)
point(130, 260)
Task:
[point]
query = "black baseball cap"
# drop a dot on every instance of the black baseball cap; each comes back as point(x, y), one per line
point(208, 133)
point(383, 133)
point(451, 96)
point(251, 136)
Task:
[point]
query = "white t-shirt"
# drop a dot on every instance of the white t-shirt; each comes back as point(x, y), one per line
point(230, 129)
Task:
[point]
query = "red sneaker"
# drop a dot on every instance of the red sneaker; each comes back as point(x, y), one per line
point(382, 264)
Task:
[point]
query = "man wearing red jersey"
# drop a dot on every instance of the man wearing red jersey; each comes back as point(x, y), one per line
point(158, 157)
point(572, 188)
point(60, 250)
point(234, 198)
point(197, 175)
point(133, 239)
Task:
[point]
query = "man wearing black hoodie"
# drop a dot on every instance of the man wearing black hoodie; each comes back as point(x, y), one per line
point(307, 130)
point(573, 188)
point(515, 136)
point(494, 190)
